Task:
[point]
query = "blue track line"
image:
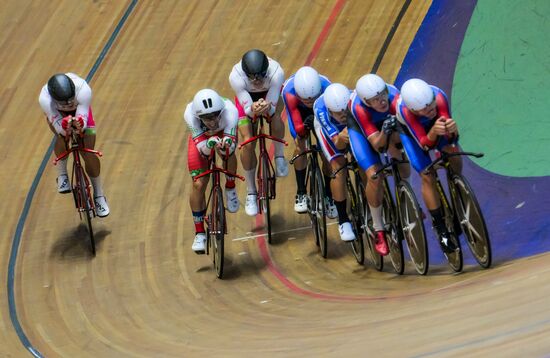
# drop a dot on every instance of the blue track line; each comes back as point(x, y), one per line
point(21, 223)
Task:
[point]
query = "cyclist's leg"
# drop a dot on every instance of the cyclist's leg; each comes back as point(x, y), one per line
point(456, 162)
point(63, 185)
point(197, 164)
point(337, 160)
point(231, 198)
point(420, 159)
point(248, 154)
point(395, 150)
point(277, 127)
point(369, 161)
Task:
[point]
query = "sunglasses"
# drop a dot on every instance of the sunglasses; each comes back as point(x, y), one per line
point(65, 104)
point(210, 116)
point(257, 76)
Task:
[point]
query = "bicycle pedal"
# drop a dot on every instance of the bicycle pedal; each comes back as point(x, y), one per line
point(200, 252)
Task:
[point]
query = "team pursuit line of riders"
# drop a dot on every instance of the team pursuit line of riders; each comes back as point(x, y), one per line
point(359, 124)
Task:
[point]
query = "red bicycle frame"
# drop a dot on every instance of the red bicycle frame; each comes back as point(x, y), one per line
point(77, 146)
point(261, 137)
point(215, 170)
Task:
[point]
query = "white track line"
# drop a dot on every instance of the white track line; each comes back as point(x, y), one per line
point(244, 238)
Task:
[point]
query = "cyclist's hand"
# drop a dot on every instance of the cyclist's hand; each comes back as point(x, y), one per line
point(66, 124)
point(78, 124)
point(389, 125)
point(260, 107)
point(439, 127)
point(308, 122)
point(450, 125)
point(343, 137)
point(213, 141)
point(228, 143)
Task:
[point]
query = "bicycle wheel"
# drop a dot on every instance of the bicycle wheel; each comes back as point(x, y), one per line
point(412, 227)
point(455, 258)
point(217, 230)
point(358, 219)
point(393, 234)
point(320, 212)
point(88, 207)
point(471, 220)
point(265, 194)
point(311, 203)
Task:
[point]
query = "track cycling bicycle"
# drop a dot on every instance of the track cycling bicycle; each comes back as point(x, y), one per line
point(216, 225)
point(80, 183)
point(265, 174)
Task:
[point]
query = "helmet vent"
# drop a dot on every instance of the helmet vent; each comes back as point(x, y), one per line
point(207, 103)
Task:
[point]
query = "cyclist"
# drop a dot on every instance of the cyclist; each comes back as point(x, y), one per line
point(257, 81)
point(212, 121)
point(424, 109)
point(299, 93)
point(66, 102)
point(373, 107)
point(331, 116)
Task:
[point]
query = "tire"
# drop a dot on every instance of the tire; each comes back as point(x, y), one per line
point(455, 259)
point(412, 227)
point(88, 207)
point(471, 220)
point(319, 209)
point(393, 233)
point(357, 220)
point(264, 201)
point(217, 231)
point(311, 201)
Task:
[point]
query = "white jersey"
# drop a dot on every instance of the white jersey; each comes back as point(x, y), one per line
point(83, 98)
point(227, 124)
point(243, 86)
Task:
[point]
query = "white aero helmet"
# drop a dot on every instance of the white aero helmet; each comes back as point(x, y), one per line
point(336, 97)
point(307, 83)
point(207, 103)
point(370, 86)
point(417, 94)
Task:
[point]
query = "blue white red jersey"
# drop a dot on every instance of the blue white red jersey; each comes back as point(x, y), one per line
point(369, 120)
point(294, 106)
point(330, 126)
point(419, 126)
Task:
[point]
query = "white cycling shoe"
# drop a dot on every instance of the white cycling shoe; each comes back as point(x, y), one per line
point(63, 184)
point(281, 167)
point(300, 205)
point(251, 205)
point(346, 231)
point(101, 207)
point(231, 200)
point(199, 245)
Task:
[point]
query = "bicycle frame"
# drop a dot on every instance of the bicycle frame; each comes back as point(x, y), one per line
point(216, 171)
point(443, 161)
point(261, 138)
point(76, 147)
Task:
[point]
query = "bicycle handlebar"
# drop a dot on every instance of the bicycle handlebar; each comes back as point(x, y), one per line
point(78, 148)
point(314, 149)
point(387, 165)
point(350, 165)
point(445, 157)
point(262, 135)
point(214, 168)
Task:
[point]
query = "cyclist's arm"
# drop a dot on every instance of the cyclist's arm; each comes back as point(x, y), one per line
point(272, 97)
point(84, 100)
point(291, 106)
point(412, 122)
point(239, 87)
point(53, 116)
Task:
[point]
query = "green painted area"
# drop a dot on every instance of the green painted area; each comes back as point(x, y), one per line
point(501, 89)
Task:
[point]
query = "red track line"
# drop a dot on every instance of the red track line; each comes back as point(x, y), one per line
point(325, 31)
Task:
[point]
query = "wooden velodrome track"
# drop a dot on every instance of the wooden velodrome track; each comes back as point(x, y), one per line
point(146, 294)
